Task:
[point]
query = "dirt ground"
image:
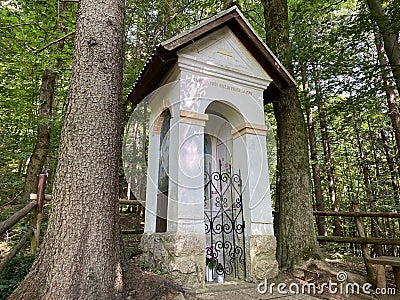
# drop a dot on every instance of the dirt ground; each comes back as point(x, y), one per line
point(152, 286)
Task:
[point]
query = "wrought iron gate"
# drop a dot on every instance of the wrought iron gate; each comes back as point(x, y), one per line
point(224, 222)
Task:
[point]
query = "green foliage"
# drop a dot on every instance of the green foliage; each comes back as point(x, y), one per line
point(148, 23)
point(26, 28)
point(334, 53)
point(132, 245)
point(13, 274)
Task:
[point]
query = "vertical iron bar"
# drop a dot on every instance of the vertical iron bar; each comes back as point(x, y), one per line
point(243, 223)
point(233, 221)
point(211, 211)
point(222, 213)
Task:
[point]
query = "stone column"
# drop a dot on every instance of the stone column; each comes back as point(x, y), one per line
point(152, 180)
point(187, 173)
point(250, 156)
point(181, 250)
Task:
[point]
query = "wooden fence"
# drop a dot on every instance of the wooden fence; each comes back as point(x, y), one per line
point(33, 234)
point(358, 215)
point(373, 274)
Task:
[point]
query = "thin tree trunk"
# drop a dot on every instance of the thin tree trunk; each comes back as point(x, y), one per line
point(142, 187)
point(137, 177)
point(41, 149)
point(364, 247)
point(368, 186)
point(389, 35)
point(330, 173)
point(82, 254)
point(337, 227)
point(392, 169)
point(389, 234)
point(393, 109)
point(374, 190)
point(319, 199)
point(296, 239)
point(393, 173)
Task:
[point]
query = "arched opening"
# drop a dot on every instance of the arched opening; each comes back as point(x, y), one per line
point(163, 173)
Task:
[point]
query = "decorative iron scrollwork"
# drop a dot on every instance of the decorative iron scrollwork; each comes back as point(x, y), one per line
point(224, 221)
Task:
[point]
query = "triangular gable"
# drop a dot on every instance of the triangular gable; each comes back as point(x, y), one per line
point(224, 50)
point(165, 55)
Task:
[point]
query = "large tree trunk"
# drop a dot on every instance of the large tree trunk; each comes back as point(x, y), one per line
point(82, 255)
point(389, 35)
point(296, 239)
point(41, 149)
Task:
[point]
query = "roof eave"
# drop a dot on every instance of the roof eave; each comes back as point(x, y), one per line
point(153, 72)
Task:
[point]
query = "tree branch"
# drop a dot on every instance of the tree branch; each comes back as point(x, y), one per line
point(173, 17)
point(54, 42)
point(15, 25)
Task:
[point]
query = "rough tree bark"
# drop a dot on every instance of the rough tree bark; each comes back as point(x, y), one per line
point(389, 35)
point(296, 239)
point(82, 254)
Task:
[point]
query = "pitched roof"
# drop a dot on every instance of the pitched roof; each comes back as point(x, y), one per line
point(165, 55)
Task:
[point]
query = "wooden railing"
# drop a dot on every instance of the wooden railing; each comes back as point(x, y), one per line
point(357, 215)
point(33, 234)
point(362, 239)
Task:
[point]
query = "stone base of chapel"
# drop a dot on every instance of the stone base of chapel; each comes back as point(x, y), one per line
point(261, 259)
point(181, 255)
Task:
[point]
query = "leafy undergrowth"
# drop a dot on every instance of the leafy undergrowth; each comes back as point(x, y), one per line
point(141, 283)
point(13, 274)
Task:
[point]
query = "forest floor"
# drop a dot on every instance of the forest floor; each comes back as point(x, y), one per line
point(146, 283)
point(149, 285)
point(155, 284)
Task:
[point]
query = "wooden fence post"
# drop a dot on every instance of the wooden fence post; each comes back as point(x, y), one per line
point(364, 247)
point(37, 219)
